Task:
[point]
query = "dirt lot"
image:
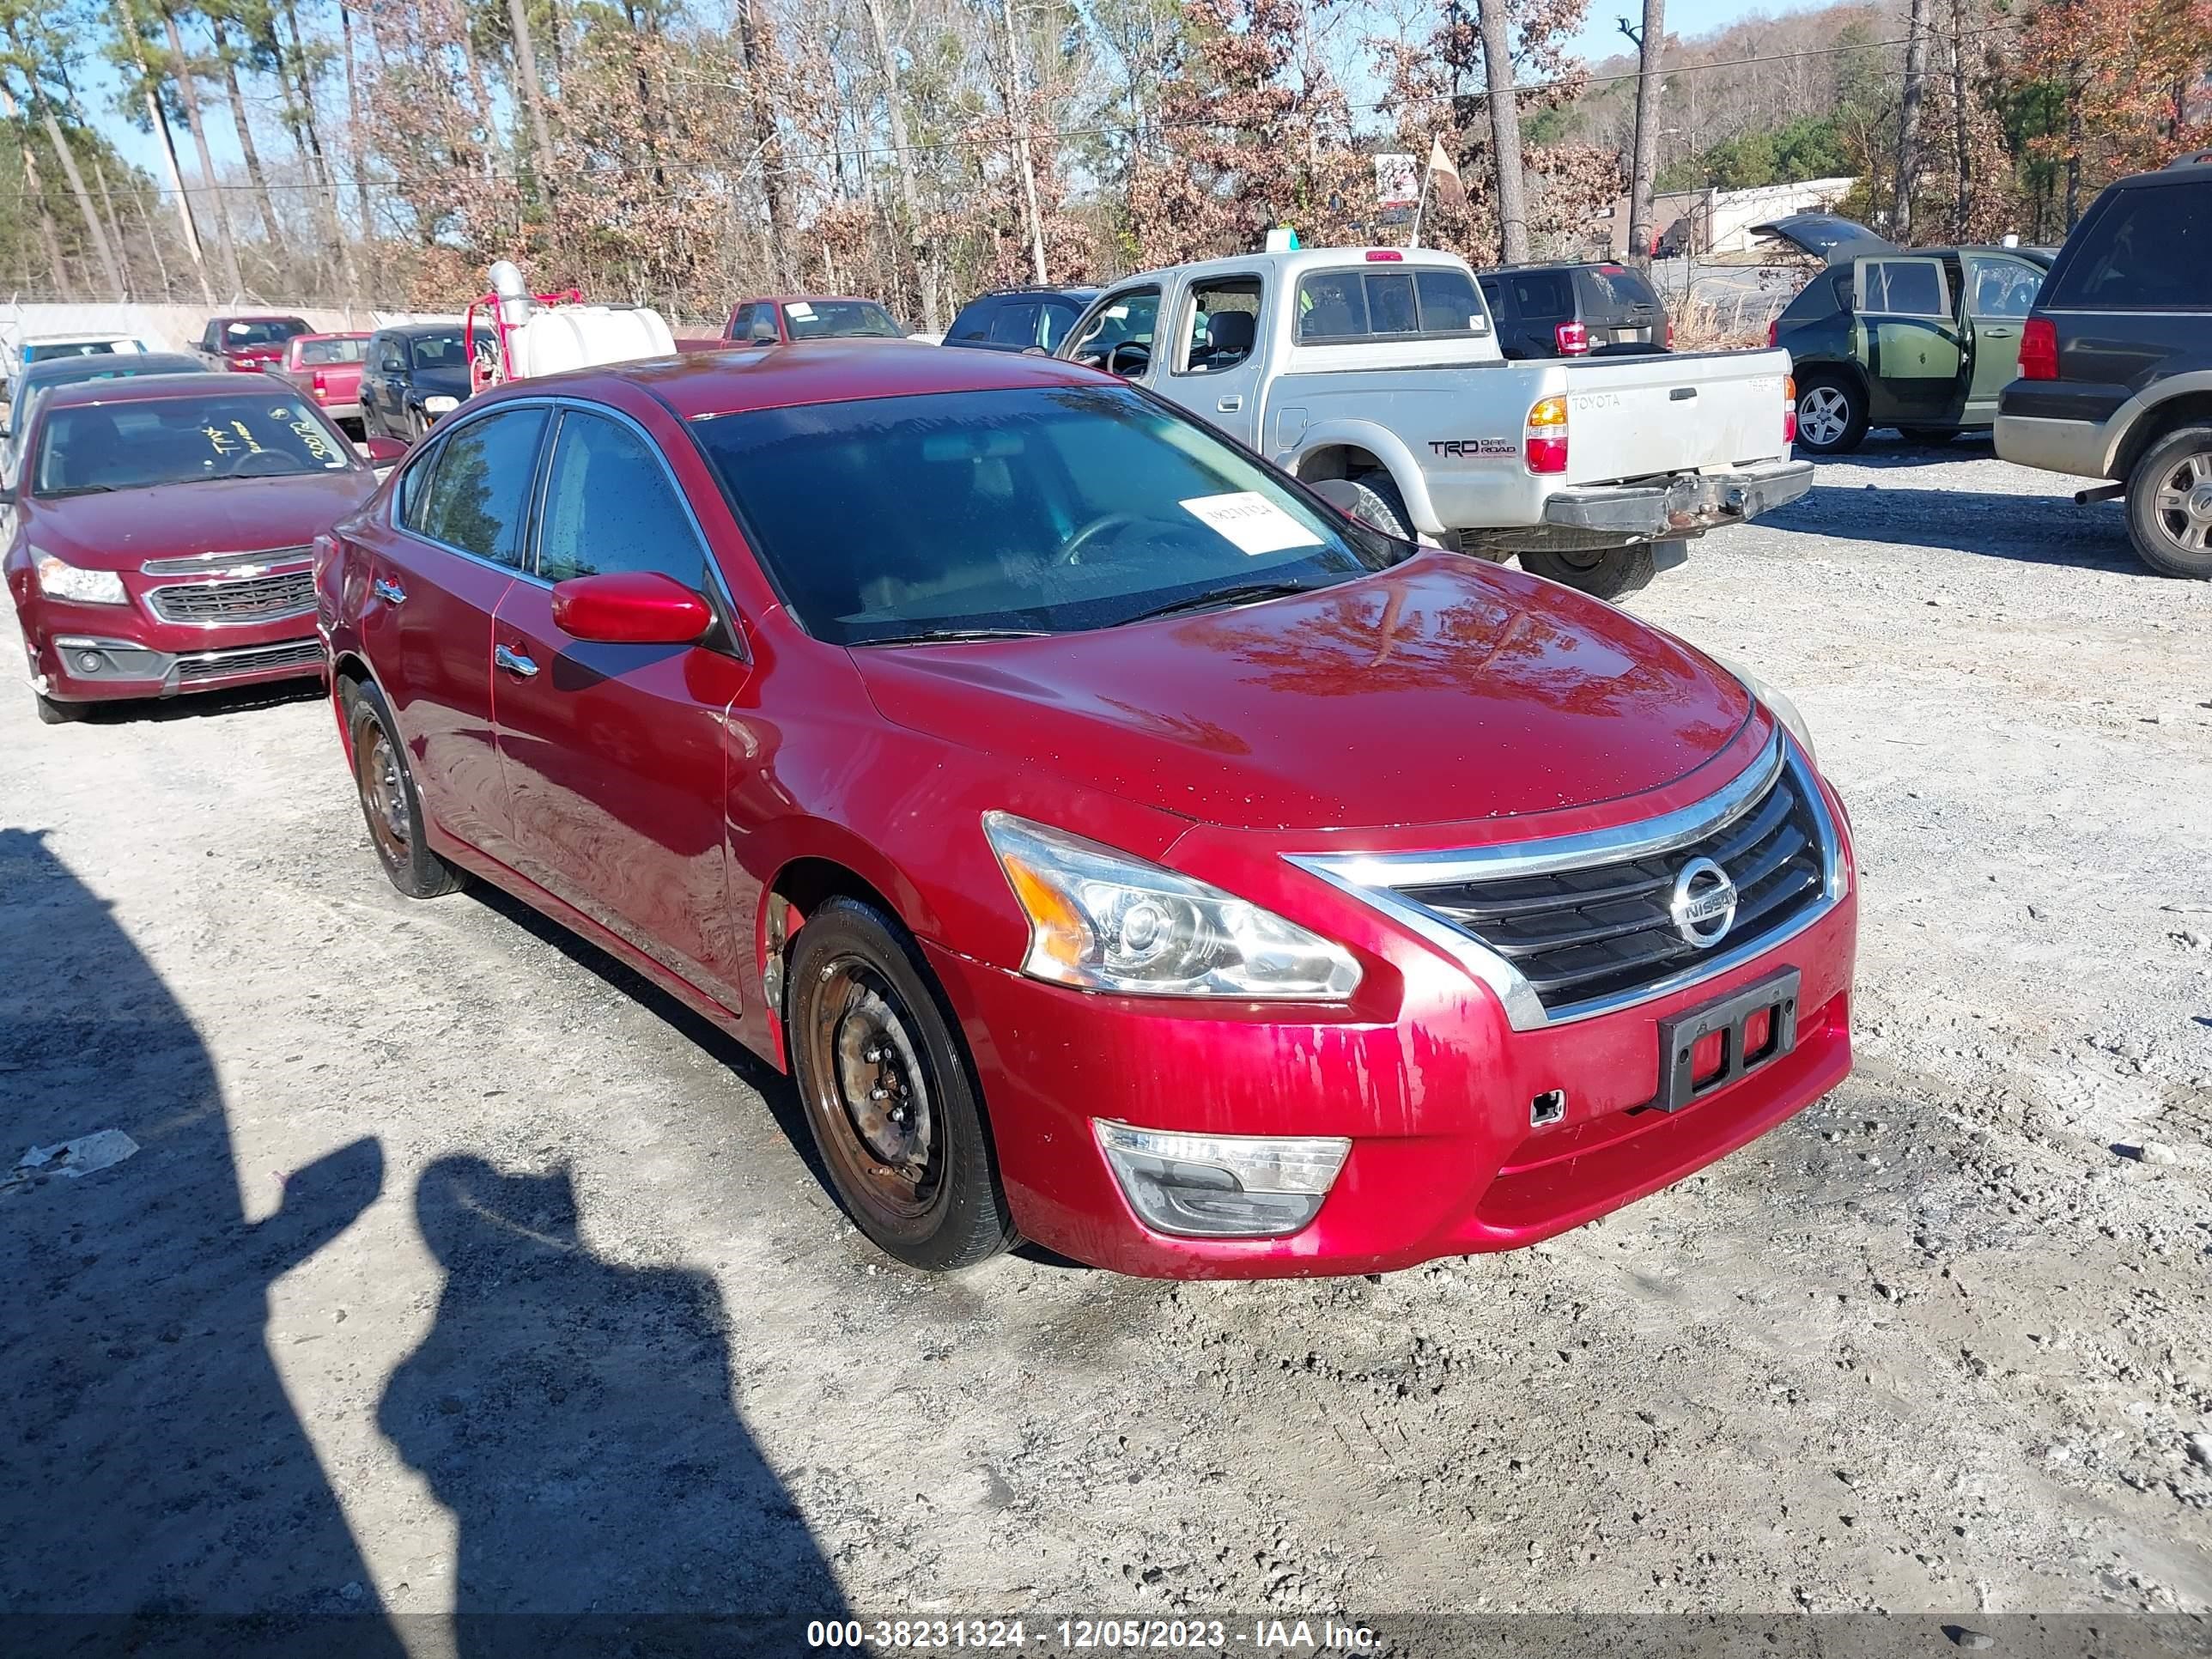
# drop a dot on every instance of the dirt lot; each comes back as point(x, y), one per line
point(551, 1315)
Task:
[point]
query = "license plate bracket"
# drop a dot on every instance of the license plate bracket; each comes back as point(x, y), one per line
point(1679, 1037)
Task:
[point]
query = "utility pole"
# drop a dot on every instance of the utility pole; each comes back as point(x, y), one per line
point(1908, 120)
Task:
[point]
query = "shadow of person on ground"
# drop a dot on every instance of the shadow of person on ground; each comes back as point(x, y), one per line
point(576, 1416)
point(158, 1474)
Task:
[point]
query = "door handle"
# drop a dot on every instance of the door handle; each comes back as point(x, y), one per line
point(1995, 333)
point(1230, 405)
point(514, 662)
point(390, 591)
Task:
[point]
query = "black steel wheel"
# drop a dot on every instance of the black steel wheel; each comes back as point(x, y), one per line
point(885, 1079)
point(388, 799)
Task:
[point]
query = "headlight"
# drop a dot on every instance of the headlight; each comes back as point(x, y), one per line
point(1778, 702)
point(64, 580)
point(440, 406)
point(1104, 921)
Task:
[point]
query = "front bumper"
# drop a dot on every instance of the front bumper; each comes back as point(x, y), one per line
point(1437, 1102)
point(1688, 504)
point(113, 653)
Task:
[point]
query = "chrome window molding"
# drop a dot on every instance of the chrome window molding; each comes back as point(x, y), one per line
point(1372, 877)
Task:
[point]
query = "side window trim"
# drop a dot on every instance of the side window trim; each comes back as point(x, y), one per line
point(525, 570)
point(719, 597)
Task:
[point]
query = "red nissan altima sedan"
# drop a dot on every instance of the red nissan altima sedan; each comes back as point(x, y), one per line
point(1120, 847)
point(162, 528)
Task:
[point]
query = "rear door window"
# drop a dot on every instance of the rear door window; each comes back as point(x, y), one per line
point(1336, 306)
point(480, 486)
point(2147, 249)
point(2001, 288)
point(1542, 296)
point(1904, 288)
point(1015, 323)
point(974, 322)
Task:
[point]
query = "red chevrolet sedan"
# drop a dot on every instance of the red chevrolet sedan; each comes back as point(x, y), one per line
point(163, 529)
point(1120, 847)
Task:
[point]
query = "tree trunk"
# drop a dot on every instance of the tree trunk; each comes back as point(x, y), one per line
point(158, 117)
point(272, 228)
point(534, 95)
point(1018, 122)
point(1645, 166)
point(306, 123)
point(181, 70)
point(46, 232)
point(94, 230)
point(354, 135)
point(113, 220)
point(2073, 151)
point(756, 44)
point(1505, 132)
point(1961, 123)
point(1908, 121)
point(915, 251)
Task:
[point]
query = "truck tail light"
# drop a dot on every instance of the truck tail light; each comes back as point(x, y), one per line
point(2038, 349)
point(1670, 334)
point(1573, 338)
point(1544, 441)
point(322, 388)
point(1789, 409)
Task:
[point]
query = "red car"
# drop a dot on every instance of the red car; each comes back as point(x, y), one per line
point(783, 319)
point(327, 367)
point(247, 344)
point(161, 533)
point(1120, 847)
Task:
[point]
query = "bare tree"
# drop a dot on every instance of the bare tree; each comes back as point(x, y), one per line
point(1650, 44)
point(913, 244)
point(1018, 123)
point(1505, 132)
point(181, 70)
point(37, 191)
point(271, 230)
point(95, 232)
point(533, 93)
point(127, 28)
point(1908, 118)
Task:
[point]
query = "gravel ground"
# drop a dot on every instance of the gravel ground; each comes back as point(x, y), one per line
point(459, 1270)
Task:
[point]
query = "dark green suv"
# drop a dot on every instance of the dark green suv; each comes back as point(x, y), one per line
point(1923, 339)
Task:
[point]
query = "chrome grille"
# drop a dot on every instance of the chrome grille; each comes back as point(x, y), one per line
point(218, 564)
point(302, 654)
point(1601, 931)
point(246, 599)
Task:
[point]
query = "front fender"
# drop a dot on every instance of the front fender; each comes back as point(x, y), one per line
point(1379, 442)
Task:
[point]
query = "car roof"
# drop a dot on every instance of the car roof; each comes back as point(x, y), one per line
point(73, 339)
point(257, 317)
point(709, 383)
point(336, 334)
point(810, 299)
point(406, 330)
point(1559, 265)
point(141, 388)
point(1297, 262)
point(1082, 292)
point(112, 366)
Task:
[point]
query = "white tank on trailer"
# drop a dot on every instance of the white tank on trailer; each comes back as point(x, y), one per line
point(545, 339)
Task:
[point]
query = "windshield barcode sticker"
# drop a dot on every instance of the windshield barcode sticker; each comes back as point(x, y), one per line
point(1250, 520)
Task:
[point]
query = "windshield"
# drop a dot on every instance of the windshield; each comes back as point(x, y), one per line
point(166, 440)
point(340, 349)
point(840, 319)
point(439, 350)
point(266, 331)
point(1050, 509)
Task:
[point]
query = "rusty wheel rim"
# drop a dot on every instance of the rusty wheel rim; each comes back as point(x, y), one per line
point(384, 795)
point(870, 1090)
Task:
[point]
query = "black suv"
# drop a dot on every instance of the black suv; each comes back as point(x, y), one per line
point(2116, 363)
point(1016, 319)
point(1564, 311)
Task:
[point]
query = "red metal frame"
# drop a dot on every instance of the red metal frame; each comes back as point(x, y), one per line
point(479, 378)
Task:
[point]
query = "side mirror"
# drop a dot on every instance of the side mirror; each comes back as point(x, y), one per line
point(630, 607)
point(384, 452)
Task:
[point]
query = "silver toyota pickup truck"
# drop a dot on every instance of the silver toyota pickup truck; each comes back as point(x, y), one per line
point(1374, 375)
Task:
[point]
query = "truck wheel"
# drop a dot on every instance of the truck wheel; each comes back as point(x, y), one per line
point(883, 1079)
point(2170, 504)
point(1831, 415)
point(1604, 573)
point(1372, 498)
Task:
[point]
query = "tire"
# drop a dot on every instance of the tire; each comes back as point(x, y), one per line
point(2170, 504)
point(1831, 415)
point(863, 1015)
point(57, 713)
point(1607, 572)
point(1929, 435)
point(418, 426)
point(1372, 498)
point(389, 802)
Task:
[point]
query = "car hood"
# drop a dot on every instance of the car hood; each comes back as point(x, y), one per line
point(119, 531)
point(1442, 691)
point(1825, 236)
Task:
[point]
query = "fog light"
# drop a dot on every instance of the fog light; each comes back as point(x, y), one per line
point(88, 661)
point(1222, 1185)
